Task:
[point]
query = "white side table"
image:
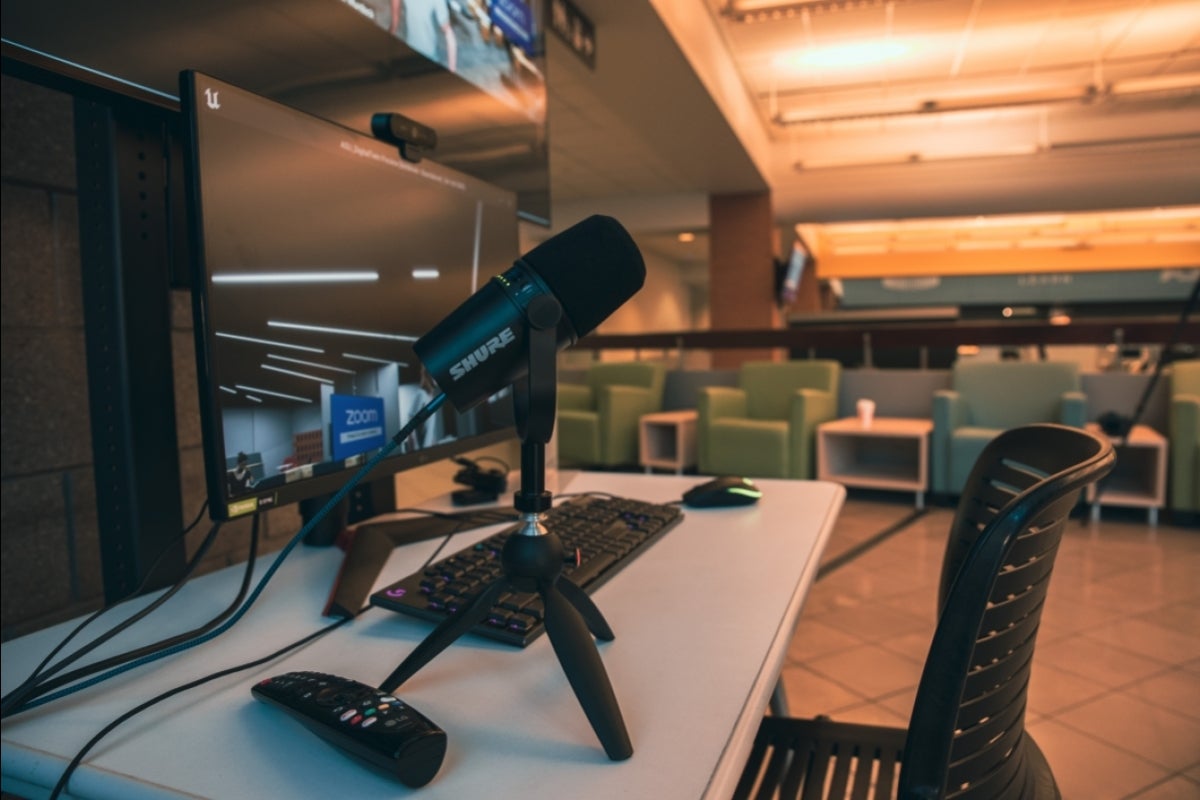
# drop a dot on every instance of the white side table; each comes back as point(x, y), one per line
point(891, 453)
point(667, 440)
point(1139, 479)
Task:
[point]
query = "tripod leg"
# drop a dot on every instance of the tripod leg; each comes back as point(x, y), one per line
point(587, 609)
point(444, 635)
point(585, 671)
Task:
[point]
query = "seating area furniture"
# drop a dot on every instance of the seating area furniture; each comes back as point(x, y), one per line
point(1184, 436)
point(892, 453)
point(667, 440)
point(598, 422)
point(966, 737)
point(1140, 477)
point(987, 398)
point(765, 428)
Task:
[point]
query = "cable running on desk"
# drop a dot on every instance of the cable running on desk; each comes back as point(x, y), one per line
point(606, 534)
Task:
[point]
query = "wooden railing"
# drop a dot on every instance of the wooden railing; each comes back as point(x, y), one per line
point(1099, 332)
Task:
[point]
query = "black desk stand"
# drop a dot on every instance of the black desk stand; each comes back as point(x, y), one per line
point(533, 556)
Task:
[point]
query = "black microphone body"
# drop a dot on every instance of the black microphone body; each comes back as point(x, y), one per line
point(591, 269)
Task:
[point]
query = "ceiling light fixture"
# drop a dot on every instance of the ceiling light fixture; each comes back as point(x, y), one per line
point(299, 326)
point(329, 276)
point(268, 342)
point(775, 12)
point(918, 158)
point(687, 237)
point(259, 390)
point(844, 56)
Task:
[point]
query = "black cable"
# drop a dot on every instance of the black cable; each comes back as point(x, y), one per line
point(18, 696)
point(78, 759)
point(30, 699)
point(418, 419)
point(135, 593)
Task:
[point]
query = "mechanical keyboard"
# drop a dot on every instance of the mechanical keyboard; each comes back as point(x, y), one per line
point(607, 532)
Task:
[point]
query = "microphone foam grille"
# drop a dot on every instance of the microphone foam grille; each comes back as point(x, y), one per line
point(593, 267)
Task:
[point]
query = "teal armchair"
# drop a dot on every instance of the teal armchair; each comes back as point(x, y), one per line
point(766, 426)
point(1183, 428)
point(598, 422)
point(988, 398)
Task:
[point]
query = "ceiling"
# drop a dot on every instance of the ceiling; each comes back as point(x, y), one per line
point(862, 110)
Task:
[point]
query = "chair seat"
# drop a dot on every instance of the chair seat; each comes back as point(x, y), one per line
point(800, 757)
point(751, 447)
point(821, 758)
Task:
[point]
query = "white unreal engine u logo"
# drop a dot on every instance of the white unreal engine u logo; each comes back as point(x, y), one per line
point(480, 354)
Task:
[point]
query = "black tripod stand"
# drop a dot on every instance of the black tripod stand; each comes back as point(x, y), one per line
point(533, 556)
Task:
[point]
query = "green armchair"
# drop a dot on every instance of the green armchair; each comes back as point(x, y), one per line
point(986, 399)
point(598, 422)
point(765, 428)
point(1184, 436)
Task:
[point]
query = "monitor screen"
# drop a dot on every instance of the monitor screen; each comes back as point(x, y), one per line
point(320, 256)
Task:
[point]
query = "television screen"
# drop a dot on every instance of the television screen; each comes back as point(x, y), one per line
point(478, 81)
point(320, 255)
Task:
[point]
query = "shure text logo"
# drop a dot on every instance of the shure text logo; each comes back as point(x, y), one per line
point(480, 354)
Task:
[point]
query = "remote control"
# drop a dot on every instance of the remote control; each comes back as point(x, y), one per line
point(366, 722)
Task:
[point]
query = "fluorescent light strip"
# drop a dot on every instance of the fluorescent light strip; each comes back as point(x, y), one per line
point(349, 276)
point(253, 398)
point(273, 394)
point(227, 389)
point(269, 342)
point(375, 360)
point(295, 374)
point(399, 337)
point(426, 273)
point(310, 363)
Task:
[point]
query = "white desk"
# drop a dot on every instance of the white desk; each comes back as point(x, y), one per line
point(702, 623)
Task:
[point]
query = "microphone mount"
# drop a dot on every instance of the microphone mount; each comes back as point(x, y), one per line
point(533, 555)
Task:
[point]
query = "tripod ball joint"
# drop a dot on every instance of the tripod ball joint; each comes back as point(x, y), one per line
point(533, 558)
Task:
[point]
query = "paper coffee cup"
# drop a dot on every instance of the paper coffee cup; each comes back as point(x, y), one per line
point(866, 412)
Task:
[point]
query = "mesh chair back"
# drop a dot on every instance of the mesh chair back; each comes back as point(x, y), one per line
point(967, 734)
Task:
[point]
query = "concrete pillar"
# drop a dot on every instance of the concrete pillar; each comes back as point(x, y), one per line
point(743, 246)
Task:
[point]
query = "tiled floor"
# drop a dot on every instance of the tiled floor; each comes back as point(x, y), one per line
point(1114, 701)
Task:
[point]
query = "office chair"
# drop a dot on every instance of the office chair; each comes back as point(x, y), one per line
point(966, 737)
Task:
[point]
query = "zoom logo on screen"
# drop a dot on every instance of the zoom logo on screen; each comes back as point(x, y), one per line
point(357, 424)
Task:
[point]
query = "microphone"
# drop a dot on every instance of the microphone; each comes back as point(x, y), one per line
point(591, 269)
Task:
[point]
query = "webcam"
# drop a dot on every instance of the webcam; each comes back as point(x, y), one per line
point(410, 136)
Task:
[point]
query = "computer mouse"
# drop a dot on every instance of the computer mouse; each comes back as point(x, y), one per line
point(721, 492)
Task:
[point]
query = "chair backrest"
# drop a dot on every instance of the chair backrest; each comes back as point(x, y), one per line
point(1185, 377)
point(968, 721)
point(643, 374)
point(769, 385)
point(1005, 394)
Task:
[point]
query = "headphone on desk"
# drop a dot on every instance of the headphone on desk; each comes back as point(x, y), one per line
point(485, 483)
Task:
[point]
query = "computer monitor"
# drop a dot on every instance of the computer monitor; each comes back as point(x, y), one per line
point(319, 256)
